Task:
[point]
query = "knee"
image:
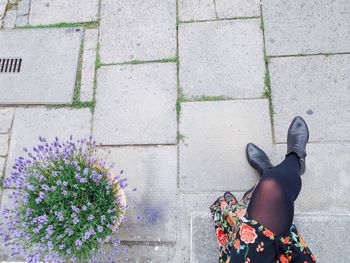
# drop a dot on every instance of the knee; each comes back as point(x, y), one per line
point(271, 187)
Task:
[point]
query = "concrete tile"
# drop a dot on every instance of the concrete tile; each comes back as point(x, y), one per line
point(210, 53)
point(192, 203)
point(136, 104)
point(212, 153)
point(88, 67)
point(146, 30)
point(326, 182)
point(6, 117)
point(142, 252)
point(31, 123)
point(324, 244)
point(196, 10)
point(4, 138)
point(49, 76)
point(10, 19)
point(204, 245)
point(237, 8)
point(316, 88)
point(152, 172)
point(3, 4)
point(306, 27)
point(43, 12)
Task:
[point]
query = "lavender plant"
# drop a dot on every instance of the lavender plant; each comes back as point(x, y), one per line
point(66, 204)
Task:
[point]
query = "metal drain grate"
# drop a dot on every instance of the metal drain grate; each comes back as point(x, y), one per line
point(10, 65)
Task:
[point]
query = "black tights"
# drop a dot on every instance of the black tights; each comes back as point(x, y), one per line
point(272, 202)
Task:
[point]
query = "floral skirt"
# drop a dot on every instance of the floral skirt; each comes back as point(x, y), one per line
point(242, 239)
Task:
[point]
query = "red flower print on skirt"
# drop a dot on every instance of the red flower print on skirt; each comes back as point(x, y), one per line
point(247, 233)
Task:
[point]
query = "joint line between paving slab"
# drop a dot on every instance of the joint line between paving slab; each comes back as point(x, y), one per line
point(216, 12)
point(309, 55)
point(219, 19)
point(148, 243)
point(267, 80)
point(9, 132)
point(178, 102)
point(136, 145)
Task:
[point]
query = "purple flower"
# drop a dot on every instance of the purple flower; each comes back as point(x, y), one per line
point(100, 229)
point(65, 183)
point(64, 192)
point(69, 231)
point(84, 208)
point(75, 209)
point(90, 217)
point(76, 220)
point(86, 171)
point(78, 243)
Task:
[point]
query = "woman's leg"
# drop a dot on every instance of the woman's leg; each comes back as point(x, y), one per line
point(272, 202)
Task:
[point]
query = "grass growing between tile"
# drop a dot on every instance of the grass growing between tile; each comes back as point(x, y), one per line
point(86, 25)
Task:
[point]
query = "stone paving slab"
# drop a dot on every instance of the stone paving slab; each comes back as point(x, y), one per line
point(222, 58)
point(88, 67)
point(4, 138)
point(306, 27)
point(196, 10)
point(316, 88)
point(49, 76)
point(136, 104)
point(237, 8)
point(320, 232)
point(143, 253)
point(325, 244)
point(30, 123)
point(326, 181)
point(6, 116)
point(146, 30)
point(192, 203)
point(43, 12)
point(212, 151)
point(152, 172)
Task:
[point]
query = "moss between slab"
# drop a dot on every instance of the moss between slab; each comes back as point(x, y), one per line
point(86, 25)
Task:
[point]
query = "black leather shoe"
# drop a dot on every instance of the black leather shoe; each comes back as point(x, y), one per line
point(257, 158)
point(298, 136)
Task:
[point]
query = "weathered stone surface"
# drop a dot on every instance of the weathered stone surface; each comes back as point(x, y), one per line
point(325, 243)
point(212, 151)
point(237, 8)
point(316, 88)
point(6, 117)
point(326, 181)
point(151, 172)
point(23, 7)
point(88, 68)
point(192, 203)
point(222, 58)
point(3, 4)
point(204, 245)
point(10, 19)
point(47, 77)
point(144, 253)
point(322, 243)
point(136, 104)
point(4, 138)
point(146, 30)
point(43, 12)
point(196, 10)
point(306, 27)
point(31, 123)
